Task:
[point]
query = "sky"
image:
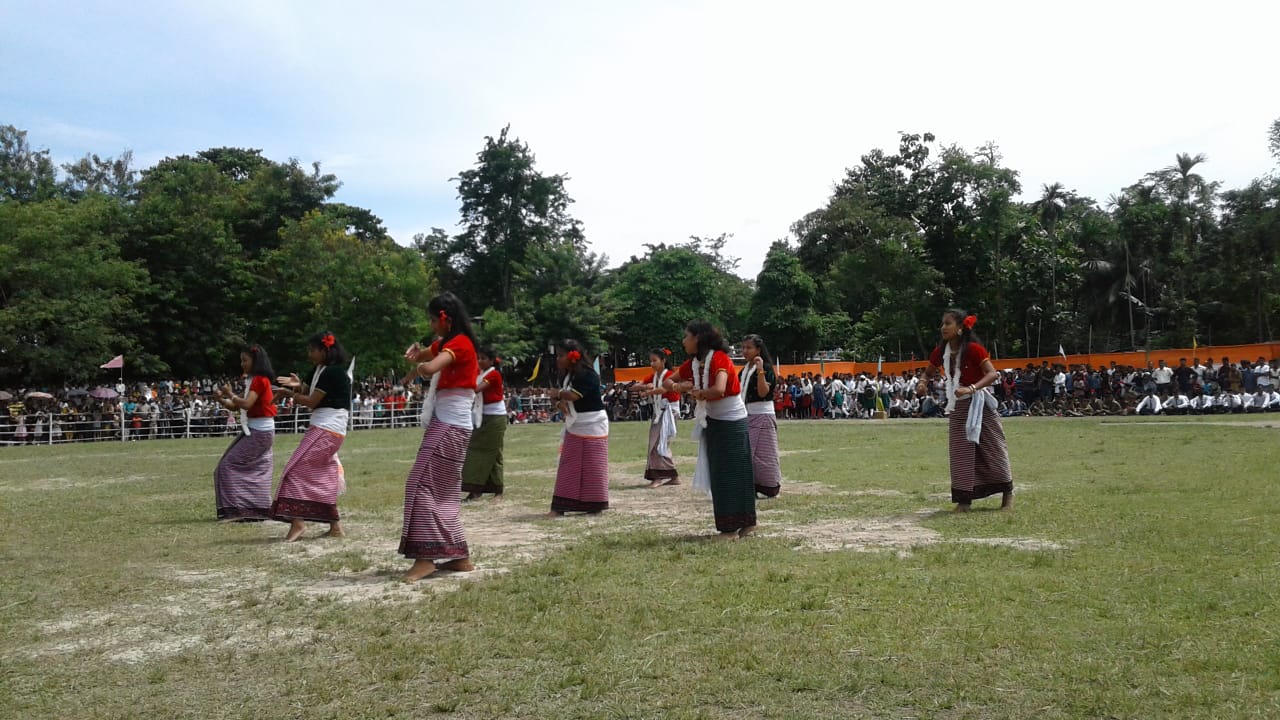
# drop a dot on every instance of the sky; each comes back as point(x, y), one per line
point(670, 119)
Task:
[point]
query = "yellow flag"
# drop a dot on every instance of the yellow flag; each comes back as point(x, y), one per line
point(1193, 343)
point(536, 366)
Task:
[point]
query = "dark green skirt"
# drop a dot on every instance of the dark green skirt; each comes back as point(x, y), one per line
point(733, 489)
point(482, 472)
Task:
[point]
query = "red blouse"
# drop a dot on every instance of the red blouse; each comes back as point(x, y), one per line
point(672, 396)
point(462, 372)
point(719, 361)
point(971, 369)
point(493, 392)
point(264, 407)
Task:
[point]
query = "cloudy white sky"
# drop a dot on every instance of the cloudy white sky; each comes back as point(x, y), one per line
point(671, 118)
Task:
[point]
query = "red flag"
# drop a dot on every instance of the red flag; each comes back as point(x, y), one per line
point(113, 363)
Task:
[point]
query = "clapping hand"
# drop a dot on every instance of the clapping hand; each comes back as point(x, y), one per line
point(291, 382)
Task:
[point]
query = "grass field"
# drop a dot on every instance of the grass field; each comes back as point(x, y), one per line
point(1137, 577)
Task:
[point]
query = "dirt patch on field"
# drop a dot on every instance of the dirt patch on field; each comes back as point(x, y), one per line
point(898, 533)
point(63, 483)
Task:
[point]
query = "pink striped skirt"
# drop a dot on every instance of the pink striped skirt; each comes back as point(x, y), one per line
point(432, 529)
point(242, 480)
point(582, 478)
point(981, 469)
point(312, 479)
point(762, 430)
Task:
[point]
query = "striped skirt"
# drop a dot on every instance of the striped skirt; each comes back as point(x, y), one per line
point(311, 480)
point(762, 430)
point(242, 479)
point(733, 492)
point(432, 530)
point(982, 469)
point(582, 478)
point(482, 471)
point(658, 467)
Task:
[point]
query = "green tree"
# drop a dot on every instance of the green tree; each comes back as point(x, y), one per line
point(372, 295)
point(782, 310)
point(65, 293)
point(509, 210)
point(26, 175)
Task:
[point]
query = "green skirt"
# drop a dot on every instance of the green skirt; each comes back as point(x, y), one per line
point(482, 472)
point(733, 488)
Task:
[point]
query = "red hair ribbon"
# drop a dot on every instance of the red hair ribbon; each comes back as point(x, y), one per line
point(970, 321)
point(327, 340)
point(574, 356)
point(666, 351)
point(444, 315)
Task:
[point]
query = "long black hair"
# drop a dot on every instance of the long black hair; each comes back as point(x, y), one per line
point(448, 306)
point(260, 363)
point(967, 335)
point(327, 343)
point(709, 338)
point(663, 353)
point(758, 343)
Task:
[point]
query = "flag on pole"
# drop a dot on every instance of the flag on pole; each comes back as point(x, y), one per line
point(113, 363)
point(1193, 343)
point(1062, 352)
point(880, 365)
point(596, 366)
point(351, 369)
point(536, 366)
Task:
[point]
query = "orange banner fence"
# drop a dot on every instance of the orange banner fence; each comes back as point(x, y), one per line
point(1137, 359)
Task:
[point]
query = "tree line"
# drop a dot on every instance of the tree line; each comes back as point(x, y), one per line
point(178, 265)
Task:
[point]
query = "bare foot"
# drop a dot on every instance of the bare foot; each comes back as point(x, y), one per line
point(725, 536)
point(496, 498)
point(335, 531)
point(1006, 501)
point(296, 528)
point(554, 515)
point(747, 531)
point(472, 496)
point(962, 507)
point(655, 484)
point(458, 565)
point(420, 569)
point(672, 481)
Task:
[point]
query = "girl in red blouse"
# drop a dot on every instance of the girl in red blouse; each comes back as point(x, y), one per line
point(979, 455)
point(724, 453)
point(432, 529)
point(242, 480)
point(660, 468)
point(482, 472)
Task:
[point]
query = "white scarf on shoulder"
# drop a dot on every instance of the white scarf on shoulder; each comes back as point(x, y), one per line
point(980, 398)
point(664, 414)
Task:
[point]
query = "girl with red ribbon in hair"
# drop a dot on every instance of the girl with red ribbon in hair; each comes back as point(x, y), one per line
point(582, 475)
point(432, 529)
point(242, 479)
point(312, 479)
point(660, 468)
point(979, 454)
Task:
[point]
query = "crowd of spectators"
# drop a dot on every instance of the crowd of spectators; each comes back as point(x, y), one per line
point(170, 409)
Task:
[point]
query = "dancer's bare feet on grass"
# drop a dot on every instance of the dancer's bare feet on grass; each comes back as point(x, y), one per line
point(296, 528)
point(1006, 501)
point(496, 498)
point(725, 536)
point(962, 507)
point(655, 484)
point(554, 515)
point(747, 531)
point(335, 531)
point(420, 569)
point(458, 565)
